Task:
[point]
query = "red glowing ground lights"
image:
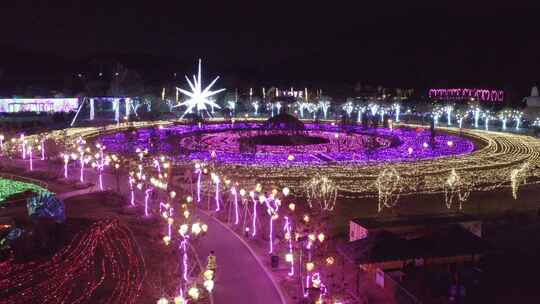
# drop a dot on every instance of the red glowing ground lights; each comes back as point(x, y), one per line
point(465, 93)
point(101, 265)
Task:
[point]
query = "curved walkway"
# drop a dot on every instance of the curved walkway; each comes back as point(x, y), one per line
point(239, 276)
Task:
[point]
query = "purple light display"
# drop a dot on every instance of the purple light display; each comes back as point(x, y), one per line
point(353, 145)
point(466, 93)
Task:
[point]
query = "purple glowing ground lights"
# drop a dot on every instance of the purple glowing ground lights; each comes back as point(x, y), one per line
point(352, 144)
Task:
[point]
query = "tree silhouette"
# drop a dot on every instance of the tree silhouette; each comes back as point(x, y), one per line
point(126, 82)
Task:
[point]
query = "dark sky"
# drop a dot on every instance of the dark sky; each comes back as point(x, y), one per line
point(409, 44)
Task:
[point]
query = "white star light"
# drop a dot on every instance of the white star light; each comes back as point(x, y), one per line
point(198, 97)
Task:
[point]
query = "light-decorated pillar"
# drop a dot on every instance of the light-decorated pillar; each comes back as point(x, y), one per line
point(128, 107)
point(116, 106)
point(92, 109)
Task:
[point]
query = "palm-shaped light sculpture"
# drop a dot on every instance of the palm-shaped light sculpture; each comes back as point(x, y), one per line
point(199, 98)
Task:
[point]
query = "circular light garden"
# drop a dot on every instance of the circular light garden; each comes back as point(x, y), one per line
point(317, 144)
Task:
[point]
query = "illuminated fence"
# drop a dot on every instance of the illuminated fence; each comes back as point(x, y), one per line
point(466, 93)
point(38, 105)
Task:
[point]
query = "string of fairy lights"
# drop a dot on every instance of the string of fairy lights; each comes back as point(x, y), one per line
point(499, 153)
point(147, 175)
point(264, 212)
point(107, 246)
point(150, 176)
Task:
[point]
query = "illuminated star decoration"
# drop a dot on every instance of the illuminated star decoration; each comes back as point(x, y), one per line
point(198, 97)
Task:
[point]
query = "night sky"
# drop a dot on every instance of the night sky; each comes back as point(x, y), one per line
point(286, 42)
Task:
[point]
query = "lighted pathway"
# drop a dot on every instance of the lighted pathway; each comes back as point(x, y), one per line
point(240, 278)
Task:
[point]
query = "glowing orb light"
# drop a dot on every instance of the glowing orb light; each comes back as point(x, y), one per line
point(183, 229)
point(193, 292)
point(330, 260)
point(209, 285)
point(288, 257)
point(167, 240)
point(163, 301)
point(286, 191)
point(208, 274)
point(196, 228)
point(179, 300)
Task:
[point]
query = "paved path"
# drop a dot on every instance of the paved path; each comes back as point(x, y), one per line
point(240, 278)
point(70, 194)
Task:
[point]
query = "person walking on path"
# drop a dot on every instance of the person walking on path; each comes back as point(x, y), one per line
point(211, 263)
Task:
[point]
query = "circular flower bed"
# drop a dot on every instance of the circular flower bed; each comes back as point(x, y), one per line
point(336, 144)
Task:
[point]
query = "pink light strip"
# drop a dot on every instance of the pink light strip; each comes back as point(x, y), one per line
point(199, 173)
point(131, 180)
point(254, 232)
point(271, 235)
point(146, 197)
point(30, 156)
point(217, 196)
point(235, 194)
point(271, 212)
point(42, 149)
point(183, 246)
point(306, 289)
point(100, 169)
point(66, 168)
point(82, 167)
point(23, 146)
point(287, 229)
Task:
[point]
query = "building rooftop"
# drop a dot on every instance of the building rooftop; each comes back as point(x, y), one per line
point(416, 220)
point(385, 246)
